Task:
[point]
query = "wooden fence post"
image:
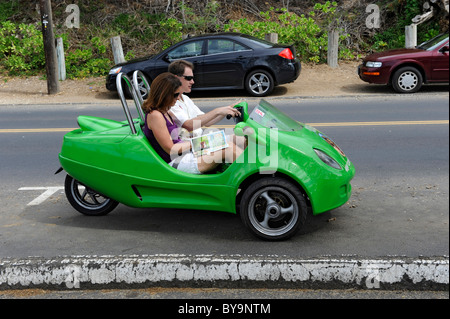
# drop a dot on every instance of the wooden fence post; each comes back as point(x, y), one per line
point(271, 37)
point(117, 50)
point(333, 48)
point(61, 59)
point(411, 36)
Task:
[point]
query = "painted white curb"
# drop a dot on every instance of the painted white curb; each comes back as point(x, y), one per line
point(225, 271)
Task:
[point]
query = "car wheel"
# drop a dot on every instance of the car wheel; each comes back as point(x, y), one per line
point(407, 80)
point(273, 208)
point(259, 83)
point(143, 86)
point(86, 200)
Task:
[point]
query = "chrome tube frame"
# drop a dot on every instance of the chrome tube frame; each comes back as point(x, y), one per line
point(126, 109)
point(136, 76)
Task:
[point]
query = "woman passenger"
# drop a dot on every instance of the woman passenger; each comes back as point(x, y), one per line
point(162, 132)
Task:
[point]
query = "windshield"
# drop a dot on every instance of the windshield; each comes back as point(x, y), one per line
point(269, 116)
point(434, 43)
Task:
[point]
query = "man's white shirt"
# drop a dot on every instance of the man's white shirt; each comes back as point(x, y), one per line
point(184, 110)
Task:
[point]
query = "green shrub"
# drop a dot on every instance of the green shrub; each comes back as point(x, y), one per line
point(88, 61)
point(309, 38)
point(8, 9)
point(143, 32)
point(21, 48)
point(22, 53)
point(393, 36)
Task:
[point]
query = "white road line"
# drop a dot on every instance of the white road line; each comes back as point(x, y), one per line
point(48, 191)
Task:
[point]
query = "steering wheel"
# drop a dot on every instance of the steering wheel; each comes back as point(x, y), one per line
point(239, 118)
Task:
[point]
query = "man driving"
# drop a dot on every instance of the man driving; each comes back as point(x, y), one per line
point(186, 114)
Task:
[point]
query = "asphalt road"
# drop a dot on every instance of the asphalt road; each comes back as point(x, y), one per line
point(399, 206)
point(281, 301)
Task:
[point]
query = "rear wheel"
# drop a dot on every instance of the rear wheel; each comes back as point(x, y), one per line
point(259, 83)
point(86, 200)
point(273, 208)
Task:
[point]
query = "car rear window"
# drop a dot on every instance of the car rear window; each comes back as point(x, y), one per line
point(258, 42)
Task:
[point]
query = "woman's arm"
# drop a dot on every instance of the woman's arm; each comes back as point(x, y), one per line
point(157, 123)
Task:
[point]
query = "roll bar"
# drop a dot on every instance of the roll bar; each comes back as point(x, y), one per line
point(136, 99)
point(140, 81)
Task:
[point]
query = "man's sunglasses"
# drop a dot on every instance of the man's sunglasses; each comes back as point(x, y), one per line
point(188, 77)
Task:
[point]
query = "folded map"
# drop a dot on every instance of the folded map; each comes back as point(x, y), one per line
point(208, 143)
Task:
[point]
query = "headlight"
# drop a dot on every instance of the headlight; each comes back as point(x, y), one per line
point(327, 159)
point(371, 64)
point(329, 141)
point(115, 70)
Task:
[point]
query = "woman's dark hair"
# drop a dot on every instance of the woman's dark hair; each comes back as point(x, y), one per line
point(162, 92)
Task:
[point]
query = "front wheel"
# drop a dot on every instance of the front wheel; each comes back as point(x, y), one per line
point(142, 86)
point(86, 200)
point(259, 83)
point(407, 80)
point(273, 208)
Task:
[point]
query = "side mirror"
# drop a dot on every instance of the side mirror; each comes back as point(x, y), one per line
point(444, 49)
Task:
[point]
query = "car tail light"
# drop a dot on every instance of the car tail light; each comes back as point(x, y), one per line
point(287, 54)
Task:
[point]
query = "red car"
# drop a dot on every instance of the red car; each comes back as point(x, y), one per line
point(407, 69)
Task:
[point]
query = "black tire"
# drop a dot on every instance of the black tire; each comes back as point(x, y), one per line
point(273, 208)
point(85, 200)
point(407, 80)
point(259, 83)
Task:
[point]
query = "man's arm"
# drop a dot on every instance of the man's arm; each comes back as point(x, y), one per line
point(210, 118)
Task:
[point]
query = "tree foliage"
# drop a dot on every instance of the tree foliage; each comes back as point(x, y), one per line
point(147, 27)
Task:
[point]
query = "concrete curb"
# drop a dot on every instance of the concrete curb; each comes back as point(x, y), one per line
point(234, 271)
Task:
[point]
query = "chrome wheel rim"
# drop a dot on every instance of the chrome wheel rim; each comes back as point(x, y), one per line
point(273, 211)
point(408, 81)
point(259, 83)
point(86, 197)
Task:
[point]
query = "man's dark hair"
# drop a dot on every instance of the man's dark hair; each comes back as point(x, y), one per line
point(177, 67)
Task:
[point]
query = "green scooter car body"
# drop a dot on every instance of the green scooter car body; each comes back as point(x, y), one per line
point(117, 161)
